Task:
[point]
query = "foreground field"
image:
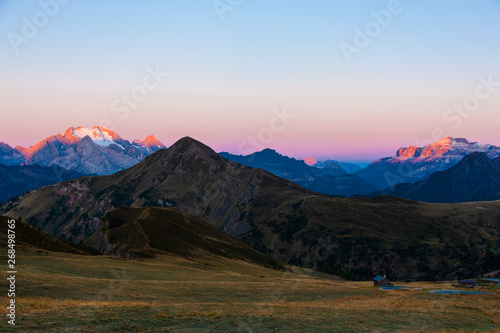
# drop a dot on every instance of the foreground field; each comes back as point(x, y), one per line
point(60, 292)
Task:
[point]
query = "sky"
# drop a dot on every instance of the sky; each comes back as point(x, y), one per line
point(347, 80)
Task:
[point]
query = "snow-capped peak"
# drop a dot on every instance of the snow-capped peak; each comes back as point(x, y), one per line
point(99, 135)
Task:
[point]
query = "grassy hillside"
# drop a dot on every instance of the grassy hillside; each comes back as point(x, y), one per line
point(147, 232)
point(60, 292)
point(362, 237)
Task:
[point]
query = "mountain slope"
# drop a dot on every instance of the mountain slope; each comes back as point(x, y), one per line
point(412, 164)
point(16, 180)
point(29, 236)
point(474, 178)
point(341, 185)
point(330, 179)
point(9, 155)
point(144, 232)
point(355, 237)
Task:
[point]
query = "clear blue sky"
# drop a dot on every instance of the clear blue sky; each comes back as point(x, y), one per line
point(227, 76)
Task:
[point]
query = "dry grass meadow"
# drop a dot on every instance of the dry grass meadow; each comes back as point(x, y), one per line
point(60, 292)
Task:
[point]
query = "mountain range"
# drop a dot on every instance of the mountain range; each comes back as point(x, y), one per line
point(331, 179)
point(474, 178)
point(100, 151)
point(95, 150)
point(412, 164)
point(347, 167)
point(352, 237)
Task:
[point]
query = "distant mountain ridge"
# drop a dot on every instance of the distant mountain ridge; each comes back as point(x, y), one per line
point(474, 178)
point(347, 167)
point(412, 164)
point(272, 161)
point(95, 150)
point(16, 180)
point(331, 179)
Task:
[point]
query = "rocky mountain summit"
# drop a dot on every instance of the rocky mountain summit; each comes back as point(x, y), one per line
point(95, 150)
point(412, 164)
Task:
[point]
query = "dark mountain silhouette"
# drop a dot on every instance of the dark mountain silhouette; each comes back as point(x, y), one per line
point(16, 180)
point(283, 166)
point(331, 179)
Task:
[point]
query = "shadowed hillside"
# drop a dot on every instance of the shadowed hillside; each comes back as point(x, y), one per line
point(29, 236)
point(146, 232)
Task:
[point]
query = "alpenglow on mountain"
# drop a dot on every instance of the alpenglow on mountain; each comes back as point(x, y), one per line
point(95, 150)
point(412, 164)
point(474, 178)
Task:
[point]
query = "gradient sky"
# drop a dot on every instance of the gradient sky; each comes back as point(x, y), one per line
point(227, 76)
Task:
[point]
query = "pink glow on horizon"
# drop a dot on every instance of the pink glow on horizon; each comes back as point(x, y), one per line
point(360, 148)
point(294, 148)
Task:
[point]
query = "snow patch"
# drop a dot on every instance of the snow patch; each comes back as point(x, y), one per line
point(99, 137)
